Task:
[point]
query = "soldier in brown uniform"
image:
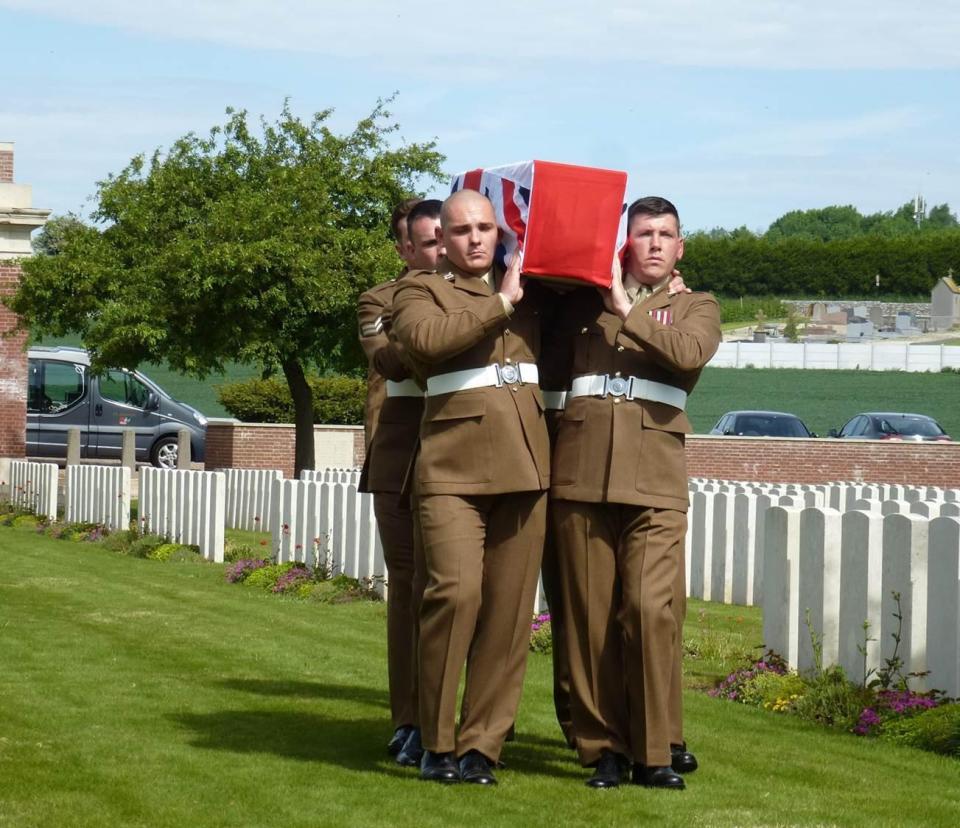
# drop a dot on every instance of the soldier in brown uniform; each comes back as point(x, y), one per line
point(619, 492)
point(480, 480)
point(394, 408)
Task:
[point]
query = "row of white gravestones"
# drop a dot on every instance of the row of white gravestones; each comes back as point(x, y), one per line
point(841, 571)
point(185, 507)
point(836, 495)
point(724, 543)
point(250, 498)
point(328, 525)
point(98, 494)
point(323, 520)
point(33, 486)
point(331, 475)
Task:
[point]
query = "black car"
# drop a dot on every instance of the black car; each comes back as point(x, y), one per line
point(761, 424)
point(891, 426)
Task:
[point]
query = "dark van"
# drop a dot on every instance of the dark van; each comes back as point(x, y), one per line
point(64, 394)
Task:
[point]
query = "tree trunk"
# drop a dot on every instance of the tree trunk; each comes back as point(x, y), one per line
point(302, 395)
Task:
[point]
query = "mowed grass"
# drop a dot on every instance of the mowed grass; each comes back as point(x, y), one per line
point(134, 692)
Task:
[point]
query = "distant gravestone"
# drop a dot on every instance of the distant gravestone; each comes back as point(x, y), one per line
point(875, 315)
point(904, 321)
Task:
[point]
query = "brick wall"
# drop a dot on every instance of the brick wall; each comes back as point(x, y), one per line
point(761, 459)
point(6, 166)
point(13, 369)
point(265, 445)
point(766, 459)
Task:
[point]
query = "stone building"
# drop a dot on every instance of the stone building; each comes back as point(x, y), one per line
point(18, 218)
point(945, 303)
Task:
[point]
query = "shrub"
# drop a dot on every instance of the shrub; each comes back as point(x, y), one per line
point(120, 541)
point(143, 546)
point(78, 532)
point(233, 552)
point(831, 699)
point(773, 691)
point(936, 729)
point(541, 634)
point(266, 577)
point(336, 400)
point(238, 571)
point(732, 687)
point(174, 552)
point(340, 589)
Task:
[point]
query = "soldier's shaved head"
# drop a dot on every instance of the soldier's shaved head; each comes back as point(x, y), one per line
point(468, 231)
point(464, 198)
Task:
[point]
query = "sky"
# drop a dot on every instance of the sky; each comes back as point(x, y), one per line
point(736, 110)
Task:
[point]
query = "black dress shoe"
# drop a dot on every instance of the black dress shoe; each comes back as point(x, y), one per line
point(412, 751)
point(399, 739)
point(681, 759)
point(657, 777)
point(610, 770)
point(475, 768)
point(439, 767)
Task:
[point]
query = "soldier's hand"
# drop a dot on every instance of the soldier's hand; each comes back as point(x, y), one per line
point(511, 288)
point(615, 298)
point(677, 285)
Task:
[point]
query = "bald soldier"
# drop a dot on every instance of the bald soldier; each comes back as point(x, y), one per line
point(394, 408)
point(619, 492)
point(480, 479)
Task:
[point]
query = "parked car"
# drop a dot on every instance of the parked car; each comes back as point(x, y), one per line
point(62, 394)
point(761, 424)
point(890, 426)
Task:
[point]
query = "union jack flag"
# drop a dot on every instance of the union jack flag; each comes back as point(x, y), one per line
point(567, 221)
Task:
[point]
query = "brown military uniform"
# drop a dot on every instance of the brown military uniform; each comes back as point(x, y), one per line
point(391, 425)
point(620, 497)
point(480, 479)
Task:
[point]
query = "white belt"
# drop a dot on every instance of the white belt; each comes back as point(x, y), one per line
point(554, 400)
point(404, 388)
point(491, 375)
point(633, 388)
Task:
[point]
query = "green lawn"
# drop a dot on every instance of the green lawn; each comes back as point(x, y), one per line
point(134, 692)
point(824, 399)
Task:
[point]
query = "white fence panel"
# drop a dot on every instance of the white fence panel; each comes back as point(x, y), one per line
point(34, 486)
point(866, 356)
point(185, 507)
point(98, 494)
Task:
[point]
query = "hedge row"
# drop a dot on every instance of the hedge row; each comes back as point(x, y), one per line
point(754, 266)
point(336, 400)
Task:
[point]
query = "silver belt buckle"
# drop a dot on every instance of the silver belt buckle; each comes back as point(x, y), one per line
point(617, 386)
point(508, 373)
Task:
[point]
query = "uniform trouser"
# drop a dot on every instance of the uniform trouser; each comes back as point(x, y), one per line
point(482, 557)
point(676, 684)
point(395, 523)
point(550, 575)
point(619, 567)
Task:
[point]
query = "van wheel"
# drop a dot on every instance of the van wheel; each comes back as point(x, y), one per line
point(164, 453)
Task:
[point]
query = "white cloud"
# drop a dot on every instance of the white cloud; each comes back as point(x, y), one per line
point(787, 34)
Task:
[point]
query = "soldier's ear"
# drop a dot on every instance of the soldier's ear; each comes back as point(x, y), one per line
point(680, 249)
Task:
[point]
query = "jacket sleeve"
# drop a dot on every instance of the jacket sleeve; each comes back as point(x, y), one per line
point(432, 334)
point(383, 355)
point(686, 345)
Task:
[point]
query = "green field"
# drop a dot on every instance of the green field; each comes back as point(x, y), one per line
point(141, 693)
point(822, 399)
point(825, 399)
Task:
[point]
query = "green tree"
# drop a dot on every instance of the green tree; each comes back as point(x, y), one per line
point(246, 245)
point(56, 234)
